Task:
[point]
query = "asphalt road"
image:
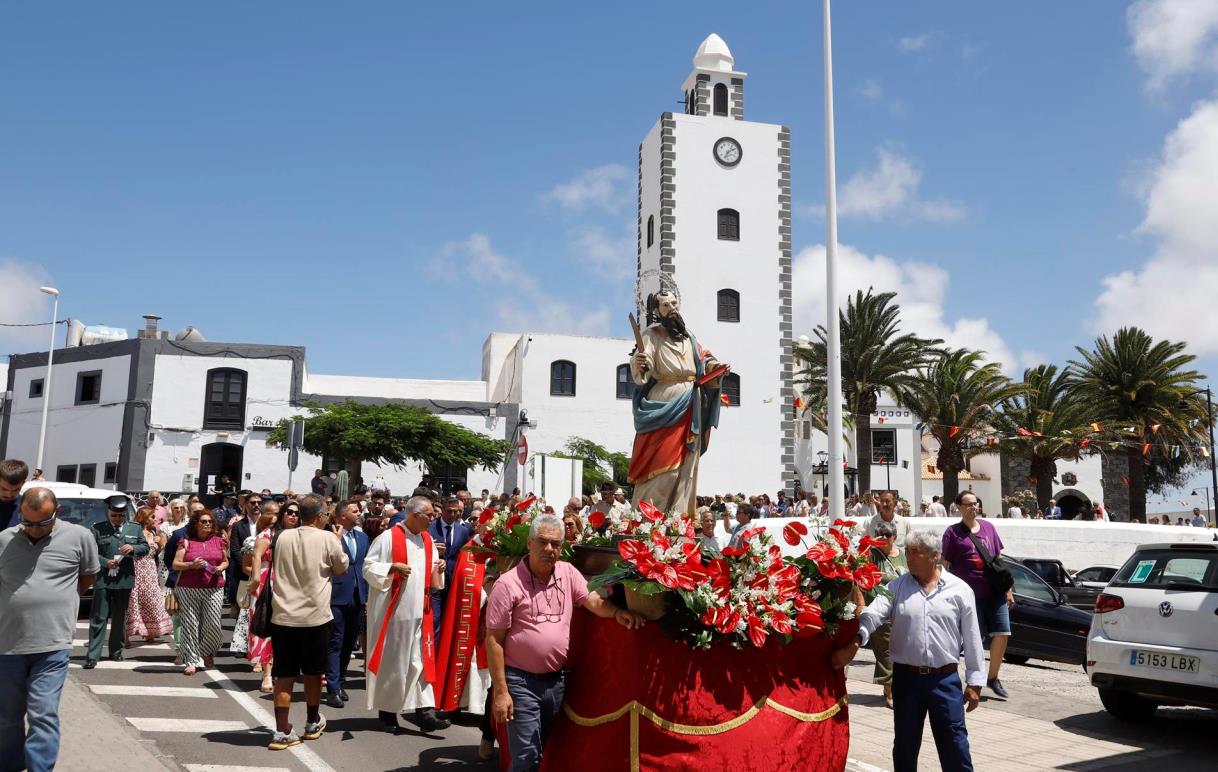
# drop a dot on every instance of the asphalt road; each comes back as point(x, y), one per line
point(216, 721)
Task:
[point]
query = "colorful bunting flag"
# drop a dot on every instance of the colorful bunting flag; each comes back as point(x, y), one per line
point(1096, 428)
point(1155, 429)
point(725, 400)
point(799, 403)
point(953, 431)
point(1084, 442)
point(1022, 432)
point(1205, 452)
point(1145, 448)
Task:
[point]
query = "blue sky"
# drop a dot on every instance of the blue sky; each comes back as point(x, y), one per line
point(385, 183)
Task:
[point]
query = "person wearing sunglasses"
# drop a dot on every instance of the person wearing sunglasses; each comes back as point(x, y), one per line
point(200, 563)
point(45, 563)
point(239, 529)
point(119, 543)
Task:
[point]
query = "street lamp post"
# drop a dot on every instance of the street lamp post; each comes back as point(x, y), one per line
point(1209, 414)
point(46, 381)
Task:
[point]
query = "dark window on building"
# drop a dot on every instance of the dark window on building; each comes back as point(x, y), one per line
point(651, 229)
point(87, 475)
point(884, 446)
point(562, 378)
point(88, 387)
point(720, 99)
point(225, 405)
point(66, 474)
point(729, 225)
point(625, 384)
point(731, 387)
point(110, 473)
point(807, 429)
point(36, 388)
point(729, 305)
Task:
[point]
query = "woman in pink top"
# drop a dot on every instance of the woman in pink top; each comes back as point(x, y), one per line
point(200, 563)
point(146, 616)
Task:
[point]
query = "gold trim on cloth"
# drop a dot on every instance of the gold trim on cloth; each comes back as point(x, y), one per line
point(674, 378)
point(636, 709)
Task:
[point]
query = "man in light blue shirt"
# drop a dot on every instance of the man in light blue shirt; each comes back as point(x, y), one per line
point(934, 618)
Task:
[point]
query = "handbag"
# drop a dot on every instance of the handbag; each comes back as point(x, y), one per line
point(996, 571)
point(260, 619)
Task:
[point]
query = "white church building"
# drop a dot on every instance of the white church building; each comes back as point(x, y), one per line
point(714, 212)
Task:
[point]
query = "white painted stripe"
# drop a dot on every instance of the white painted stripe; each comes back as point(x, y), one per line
point(82, 625)
point(230, 768)
point(82, 642)
point(302, 752)
point(131, 664)
point(156, 691)
point(854, 765)
point(188, 725)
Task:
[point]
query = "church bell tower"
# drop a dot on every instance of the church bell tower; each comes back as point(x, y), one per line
point(714, 211)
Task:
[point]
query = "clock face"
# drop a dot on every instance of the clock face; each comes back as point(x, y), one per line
point(727, 151)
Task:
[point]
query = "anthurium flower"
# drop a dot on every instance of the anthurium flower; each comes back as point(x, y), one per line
point(524, 505)
point(808, 624)
point(821, 552)
point(868, 575)
point(630, 549)
point(650, 512)
point(512, 522)
point(779, 623)
point(793, 532)
point(757, 633)
point(596, 520)
point(840, 523)
point(868, 542)
point(487, 514)
point(734, 552)
point(841, 540)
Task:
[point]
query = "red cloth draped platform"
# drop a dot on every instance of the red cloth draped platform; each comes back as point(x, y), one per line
point(640, 701)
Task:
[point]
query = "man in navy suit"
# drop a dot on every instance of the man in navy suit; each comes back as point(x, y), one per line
point(348, 594)
point(450, 530)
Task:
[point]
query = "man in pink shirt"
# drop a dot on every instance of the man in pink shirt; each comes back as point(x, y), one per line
point(528, 617)
point(158, 507)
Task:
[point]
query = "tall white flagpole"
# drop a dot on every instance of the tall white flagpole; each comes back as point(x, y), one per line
point(837, 492)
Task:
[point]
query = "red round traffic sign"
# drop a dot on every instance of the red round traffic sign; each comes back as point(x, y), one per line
point(522, 449)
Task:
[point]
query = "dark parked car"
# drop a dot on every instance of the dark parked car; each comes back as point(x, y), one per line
point(1042, 625)
point(1080, 595)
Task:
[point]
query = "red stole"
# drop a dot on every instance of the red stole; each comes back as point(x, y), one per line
point(459, 631)
point(398, 536)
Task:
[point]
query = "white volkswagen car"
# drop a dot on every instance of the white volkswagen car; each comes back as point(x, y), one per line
point(1154, 633)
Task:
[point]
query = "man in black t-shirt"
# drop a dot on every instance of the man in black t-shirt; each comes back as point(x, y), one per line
point(13, 473)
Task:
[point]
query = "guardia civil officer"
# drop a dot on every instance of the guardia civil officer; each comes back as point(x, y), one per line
point(119, 543)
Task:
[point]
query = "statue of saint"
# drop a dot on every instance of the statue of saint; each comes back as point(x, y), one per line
point(676, 404)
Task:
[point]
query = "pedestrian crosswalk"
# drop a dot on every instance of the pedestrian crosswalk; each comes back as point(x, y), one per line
point(132, 690)
point(230, 768)
point(191, 725)
point(131, 664)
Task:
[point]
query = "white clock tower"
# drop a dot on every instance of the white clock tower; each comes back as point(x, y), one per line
point(715, 213)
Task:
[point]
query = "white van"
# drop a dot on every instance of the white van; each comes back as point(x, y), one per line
point(1154, 633)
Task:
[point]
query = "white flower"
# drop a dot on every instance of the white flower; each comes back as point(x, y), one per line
point(848, 610)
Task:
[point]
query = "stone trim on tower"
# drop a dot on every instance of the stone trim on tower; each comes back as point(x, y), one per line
point(701, 94)
point(668, 191)
point(737, 106)
point(638, 253)
point(785, 325)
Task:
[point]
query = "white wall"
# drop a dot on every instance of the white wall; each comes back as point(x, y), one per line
point(178, 394)
point(84, 434)
point(394, 388)
point(746, 451)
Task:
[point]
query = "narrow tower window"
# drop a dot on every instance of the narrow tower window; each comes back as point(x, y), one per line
point(729, 305)
point(729, 225)
point(651, 229)
point(720, 99)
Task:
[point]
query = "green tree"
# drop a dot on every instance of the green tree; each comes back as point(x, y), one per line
point(1043, 423)
point(1141, 390)
point(600, 464)
point(392, 434)
point(955, 396)
point(875, 357)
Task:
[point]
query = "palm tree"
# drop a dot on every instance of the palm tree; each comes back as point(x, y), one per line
point(1044, 424)
point(875, 358)
point(954, 396)
point(1139, 388)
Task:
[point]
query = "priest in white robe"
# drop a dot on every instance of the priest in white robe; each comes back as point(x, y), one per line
point(402, 567)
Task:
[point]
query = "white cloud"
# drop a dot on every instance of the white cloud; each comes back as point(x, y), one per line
point(22, 303)
point(1174, 37)
point(517, 296)
point(922, 292)
point(600, 188)
point(872, 90)
point(614, 258)
point(889, 191)
point(1172, 294)
point(913, 43)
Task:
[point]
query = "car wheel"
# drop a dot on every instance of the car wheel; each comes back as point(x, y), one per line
point(1015, 659)
point(1127, 705)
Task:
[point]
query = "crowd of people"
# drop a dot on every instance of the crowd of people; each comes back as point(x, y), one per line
point(313, 579)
